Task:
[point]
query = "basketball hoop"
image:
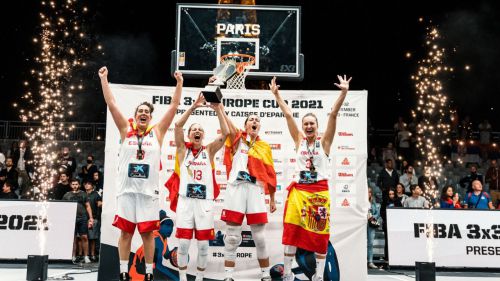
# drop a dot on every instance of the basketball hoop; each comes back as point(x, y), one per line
point(243, 63)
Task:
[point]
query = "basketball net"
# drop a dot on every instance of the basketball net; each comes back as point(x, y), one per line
point(243, 63)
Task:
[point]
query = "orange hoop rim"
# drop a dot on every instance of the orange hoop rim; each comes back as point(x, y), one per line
point(240, 66)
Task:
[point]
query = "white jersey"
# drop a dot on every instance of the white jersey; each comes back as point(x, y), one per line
point(196, 176)
point(240, 164)
point(139, 175)
point(312, 163)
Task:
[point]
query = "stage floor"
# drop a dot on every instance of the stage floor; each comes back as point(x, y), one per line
point(17, 272)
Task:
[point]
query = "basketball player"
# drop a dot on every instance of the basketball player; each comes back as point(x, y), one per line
point(138, 172)
point(251, 175)
point(193, 188)
point(307, 209)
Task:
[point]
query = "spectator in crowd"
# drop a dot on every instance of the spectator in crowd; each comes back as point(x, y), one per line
point(416, 200)
point(477, 198)
point(408, 179)
point(84, 219)
point(403, 167)
point(62, 187)
point(493, 181)
point(391, 202)
point(484, 138)
point(403, 140)
point(2, 160)
point(456, 197)
point(448, 198)
point(22, 161)
point(13, 147)
point(466, 181)
point(427, 180)
point(7, 192)
point(373, 223)
point(399, 126)
point(11, 174)
point(400, 193)
point(98, 182)
point(89, 169)
point(95, 202)
point(387, 177)
point(389, 153)
point(465, 129)
point(66, 163)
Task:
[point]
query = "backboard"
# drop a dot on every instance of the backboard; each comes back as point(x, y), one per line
point(206, 32)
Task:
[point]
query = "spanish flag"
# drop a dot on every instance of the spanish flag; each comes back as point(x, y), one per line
point(173, 183)
point(306, 222)
point(260, 161)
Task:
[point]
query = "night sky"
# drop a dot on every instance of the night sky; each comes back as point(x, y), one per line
point(369, 42)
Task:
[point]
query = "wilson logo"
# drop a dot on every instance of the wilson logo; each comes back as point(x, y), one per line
point(345, 134)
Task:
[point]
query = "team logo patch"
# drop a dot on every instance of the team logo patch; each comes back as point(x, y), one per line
point(197, 191)
point(244, 176)
point(308, 177)
point(140, 171)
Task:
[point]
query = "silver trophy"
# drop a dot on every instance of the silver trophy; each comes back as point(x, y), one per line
point(222, 73)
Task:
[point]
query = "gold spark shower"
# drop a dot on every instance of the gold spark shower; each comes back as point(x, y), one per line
point(432, 111)
point(62, 45)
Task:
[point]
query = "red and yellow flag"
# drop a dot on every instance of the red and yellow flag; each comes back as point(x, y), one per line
point(260, 161)
point(306, 222)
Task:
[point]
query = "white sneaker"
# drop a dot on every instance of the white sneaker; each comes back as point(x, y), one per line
point(199, 278)
point(317, 278)
point(372, 266)
point(289, 277)
point(86, 259)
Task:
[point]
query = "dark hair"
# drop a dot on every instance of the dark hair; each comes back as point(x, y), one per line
point(88, 181)
point(244, 124)
point(402, 185)
point(73, 180)
point(310, 114)
point(64, 173)
point(151, 107)
point(91, 156)
point(444, 192)
point(8, 183)
point(387, 160)
point(413, 187)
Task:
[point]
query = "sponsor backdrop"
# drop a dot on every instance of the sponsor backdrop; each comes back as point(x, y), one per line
point(348, 185)
point(448, 237)
point(26, 230)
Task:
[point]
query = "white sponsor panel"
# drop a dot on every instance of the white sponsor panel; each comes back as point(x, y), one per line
point(448, 237)
point(343, 202)
point(344, 161)
point(344, 174)
point(350, 247)
point(26, 230)
point(345, 188)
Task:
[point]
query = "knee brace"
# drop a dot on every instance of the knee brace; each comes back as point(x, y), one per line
point(290, 250)
point(202, 253)
point(182, 252)
point(232, 240)
point(260, 240)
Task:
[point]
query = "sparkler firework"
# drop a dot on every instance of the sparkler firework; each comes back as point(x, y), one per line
point(49, 93)
point(432, 110)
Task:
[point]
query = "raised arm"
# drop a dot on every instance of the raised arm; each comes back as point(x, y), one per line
point(296, 134)
point(120, 120)
point(331, 126)
point(179, 125)
point(218, 143)
point(167, 118)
